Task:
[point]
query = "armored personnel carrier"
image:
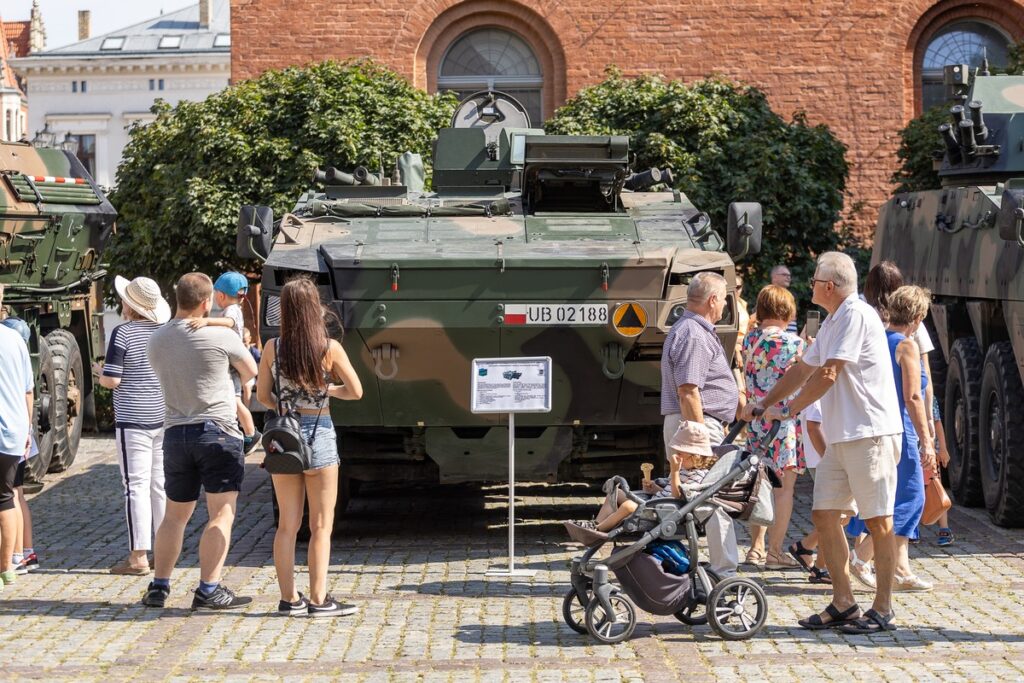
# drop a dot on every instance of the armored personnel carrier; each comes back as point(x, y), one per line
point(54, 223)
point(965, 242)
point(526, 245)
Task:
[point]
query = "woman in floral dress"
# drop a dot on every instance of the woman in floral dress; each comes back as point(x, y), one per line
point(768, 351)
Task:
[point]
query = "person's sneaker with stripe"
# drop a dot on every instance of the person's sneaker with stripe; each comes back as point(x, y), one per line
point(251, 443)
point(293, 609)
point(331, 608)
point(155, 595)
point(219, 598)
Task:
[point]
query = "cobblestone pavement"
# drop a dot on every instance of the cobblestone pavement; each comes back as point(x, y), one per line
point(416, 561)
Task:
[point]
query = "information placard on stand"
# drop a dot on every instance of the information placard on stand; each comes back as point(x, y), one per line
point(511, 385)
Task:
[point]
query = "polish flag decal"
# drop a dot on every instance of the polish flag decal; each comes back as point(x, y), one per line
point(515, 314)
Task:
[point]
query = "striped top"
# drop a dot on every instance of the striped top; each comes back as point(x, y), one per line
point(138, 399)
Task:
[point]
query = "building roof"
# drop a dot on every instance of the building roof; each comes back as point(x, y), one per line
point(176, 32)
point(16, 34)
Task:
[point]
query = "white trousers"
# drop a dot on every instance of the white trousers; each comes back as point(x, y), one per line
point(725, 555)
point(140, 454)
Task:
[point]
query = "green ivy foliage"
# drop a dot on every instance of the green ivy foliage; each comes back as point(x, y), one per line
point(919, 144)
point(724, 143)
point(185, 175)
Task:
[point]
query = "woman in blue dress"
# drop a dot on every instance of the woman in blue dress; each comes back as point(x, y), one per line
point(907, 307)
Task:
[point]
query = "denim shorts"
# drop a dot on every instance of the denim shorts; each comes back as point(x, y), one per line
point(199, 456)
point(325, 445)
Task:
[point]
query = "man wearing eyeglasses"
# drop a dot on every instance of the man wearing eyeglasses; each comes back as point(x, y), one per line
point(781, 277)
point(849, 369)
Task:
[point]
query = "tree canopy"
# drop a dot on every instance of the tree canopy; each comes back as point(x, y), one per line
point(724, 143)
point(185, 175)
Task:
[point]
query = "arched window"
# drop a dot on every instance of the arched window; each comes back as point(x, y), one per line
point(961, 42)
point(492, 58)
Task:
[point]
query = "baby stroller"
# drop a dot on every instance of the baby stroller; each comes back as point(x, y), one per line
point(736, 607)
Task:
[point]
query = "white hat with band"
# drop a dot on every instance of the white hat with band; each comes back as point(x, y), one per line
point(142, 295)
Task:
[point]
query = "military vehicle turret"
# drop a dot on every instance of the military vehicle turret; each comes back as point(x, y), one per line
point(965, 242)
point(526, 244)
point(54, 223)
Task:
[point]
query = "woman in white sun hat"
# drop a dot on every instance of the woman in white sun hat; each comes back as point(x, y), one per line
point(138, 416)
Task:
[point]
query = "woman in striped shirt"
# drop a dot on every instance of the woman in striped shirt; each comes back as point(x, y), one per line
point(138, 416)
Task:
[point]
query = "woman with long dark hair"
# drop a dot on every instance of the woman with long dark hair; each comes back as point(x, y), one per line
point(312, 368)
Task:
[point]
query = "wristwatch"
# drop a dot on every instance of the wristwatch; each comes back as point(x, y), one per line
point(785, 412)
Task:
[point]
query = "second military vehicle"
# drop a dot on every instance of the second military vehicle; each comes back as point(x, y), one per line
point(965, 242)
point(527, 245)
point(54, 223)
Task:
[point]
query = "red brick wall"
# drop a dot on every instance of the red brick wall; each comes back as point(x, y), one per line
point(847, 63)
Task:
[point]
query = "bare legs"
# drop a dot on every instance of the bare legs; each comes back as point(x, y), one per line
point(832, 545)
point(291, 489)
point(213, 546)
point(783, 512)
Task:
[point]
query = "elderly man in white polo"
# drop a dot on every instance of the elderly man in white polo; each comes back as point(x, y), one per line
point(697, 386)
point(849, 369)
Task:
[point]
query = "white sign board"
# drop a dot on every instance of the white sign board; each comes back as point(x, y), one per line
point(511, 385)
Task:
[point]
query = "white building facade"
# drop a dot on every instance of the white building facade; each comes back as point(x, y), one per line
point(92, 91)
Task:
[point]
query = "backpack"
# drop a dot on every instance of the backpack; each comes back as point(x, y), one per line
point(287, 451)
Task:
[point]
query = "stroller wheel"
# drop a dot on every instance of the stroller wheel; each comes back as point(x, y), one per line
point(603, 628)
point(574, 610)
point(695, 614)
point(737, 608)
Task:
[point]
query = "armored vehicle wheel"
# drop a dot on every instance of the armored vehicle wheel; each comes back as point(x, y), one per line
point(695, 613)
point(574, 610)
point(737, 608)
point(1001, 447)
point(67, 371)
point(45, 416)
point(606, 630)
point(963, 391)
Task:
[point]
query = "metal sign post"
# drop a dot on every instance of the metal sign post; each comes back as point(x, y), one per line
point(511, 385)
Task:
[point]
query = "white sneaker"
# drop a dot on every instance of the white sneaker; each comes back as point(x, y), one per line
point(911, 583)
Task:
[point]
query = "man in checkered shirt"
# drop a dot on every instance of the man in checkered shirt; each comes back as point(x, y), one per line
point(697, 385)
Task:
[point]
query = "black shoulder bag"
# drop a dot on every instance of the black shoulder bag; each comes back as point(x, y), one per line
point(287, 452)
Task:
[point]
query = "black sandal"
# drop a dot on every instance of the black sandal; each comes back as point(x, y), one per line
point(836, 618)
point(871, 622)
point(798, 552)
point(819, 576)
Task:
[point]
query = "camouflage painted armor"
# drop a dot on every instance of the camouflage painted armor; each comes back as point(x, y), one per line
point(527, 245)
point(964, 242)
point(54, 223)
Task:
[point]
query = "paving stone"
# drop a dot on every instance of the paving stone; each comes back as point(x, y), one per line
point(416, 560)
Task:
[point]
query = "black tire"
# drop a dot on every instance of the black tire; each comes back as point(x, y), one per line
point(695, 613)
point(70, 382)
point(602, 628)
point(574, 611)
point(1001, 446)
point(737, 608)
point(960, 420)
point(44, 417)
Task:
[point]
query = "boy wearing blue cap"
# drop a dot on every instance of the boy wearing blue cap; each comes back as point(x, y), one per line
point(228, 291)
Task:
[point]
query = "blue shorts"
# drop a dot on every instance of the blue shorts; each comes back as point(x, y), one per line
point(325, 445)
point(199, 456)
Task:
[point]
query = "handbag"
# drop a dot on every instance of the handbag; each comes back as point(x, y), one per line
point(287, 451)
point(936, 501)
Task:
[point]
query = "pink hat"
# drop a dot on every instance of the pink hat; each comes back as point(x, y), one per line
point(692, 438)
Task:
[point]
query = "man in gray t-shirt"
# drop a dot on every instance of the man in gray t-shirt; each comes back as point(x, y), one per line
point(202, 442)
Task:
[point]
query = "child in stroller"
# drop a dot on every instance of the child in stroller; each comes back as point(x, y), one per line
point(654, 554)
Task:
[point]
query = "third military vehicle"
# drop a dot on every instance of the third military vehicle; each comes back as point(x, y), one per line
point(526, 245)
point(965, 242)
point(54, 223)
